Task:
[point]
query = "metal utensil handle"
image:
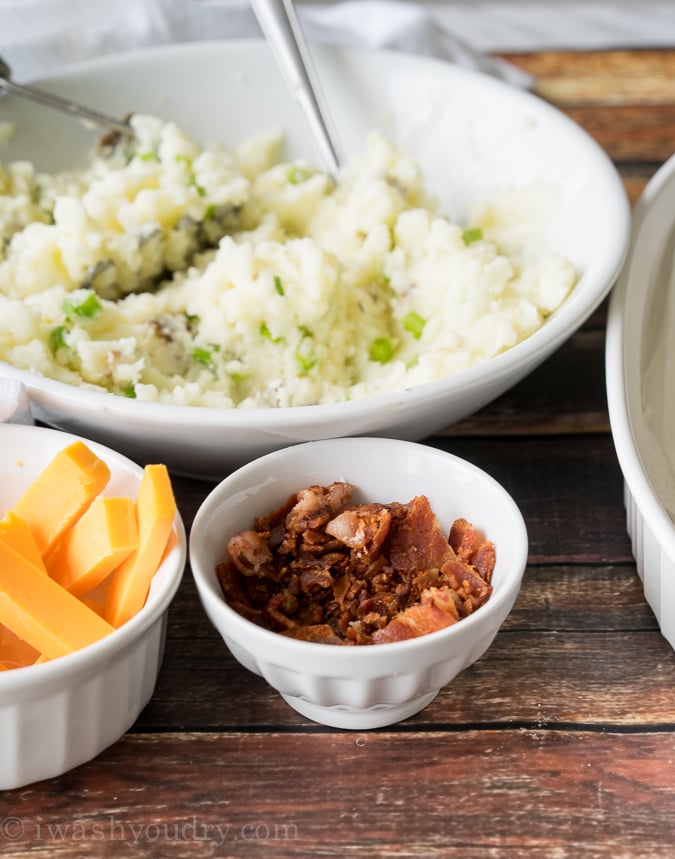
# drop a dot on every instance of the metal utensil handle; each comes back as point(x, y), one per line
point(281, 27)
point(65, 105)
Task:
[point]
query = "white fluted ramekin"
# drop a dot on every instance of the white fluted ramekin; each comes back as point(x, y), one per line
point(59, 714)
point(374, 685)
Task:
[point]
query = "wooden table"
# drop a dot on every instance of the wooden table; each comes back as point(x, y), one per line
point(559, 742)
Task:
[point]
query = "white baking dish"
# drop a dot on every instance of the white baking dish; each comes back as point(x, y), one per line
point(640, 368)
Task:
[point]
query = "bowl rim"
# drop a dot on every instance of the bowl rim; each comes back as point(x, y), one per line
point(206, 583)
point(123, 637)
point(556, 328)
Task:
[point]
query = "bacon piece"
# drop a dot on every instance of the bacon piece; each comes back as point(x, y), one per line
point(484, 559)
point(235, 594)
point(321, 569)
point(315, 577)
point(250, 553)
point(436, 610)
point(279, 607)
point(417, 542)
point(363, 528)
point(470, 545)
point(316, 505)
point(467, 583)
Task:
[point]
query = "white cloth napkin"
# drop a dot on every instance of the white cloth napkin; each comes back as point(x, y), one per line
point(38, 37)
point(14, 403)
point(538, 25)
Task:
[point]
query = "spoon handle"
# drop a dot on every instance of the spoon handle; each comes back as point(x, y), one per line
point(281, 27)
point(63, 104)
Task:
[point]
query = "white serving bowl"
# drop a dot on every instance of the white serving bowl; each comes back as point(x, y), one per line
point(640, 369)
point(473, 135)
point(372, 685)
point(59, 714)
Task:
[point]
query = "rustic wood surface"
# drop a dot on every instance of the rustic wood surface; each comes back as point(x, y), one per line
point(559, 742)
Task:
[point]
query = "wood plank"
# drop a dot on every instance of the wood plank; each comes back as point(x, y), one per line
point(624, 99)
point(630, 132)
point(609, 77)
point(564, 525)
point(505, 793)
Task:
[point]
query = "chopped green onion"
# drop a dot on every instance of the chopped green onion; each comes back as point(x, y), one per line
point(472, 234)
point(129, 391)
point(191, 319)
point(57, 339)
point(265, 332)
point(382, 350)
point(192, 180)
point(148, 156)
point(278, 285)
point(414, 323)
point(305, 363)
point(203, 355)
point(238, 378)
point(87, 308)
point(305, 355)
point(210, 212)
point(305, 331)
point(297, 174)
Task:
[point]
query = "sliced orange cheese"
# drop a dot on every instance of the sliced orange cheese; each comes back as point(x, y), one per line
point(41, 612)
point(14, 651)
point(61, 493)
point(155, 512)
point(18, 535)
point(93, 604)
point(95, 545)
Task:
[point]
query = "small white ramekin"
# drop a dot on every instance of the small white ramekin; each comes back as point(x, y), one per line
point(59, 714)
point(374, 685)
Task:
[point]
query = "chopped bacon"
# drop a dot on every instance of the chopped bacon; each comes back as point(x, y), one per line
point(314, 578)
point(484, 559)
point(250, 553)
point(316, 505)
point(470, 544)
point(464, 538)
point(364, 527)
point(279, 607)
point(467, 583)
point(436, 610)
point(418, 543)
point(321, 569)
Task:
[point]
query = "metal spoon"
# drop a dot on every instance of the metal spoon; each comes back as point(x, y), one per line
point(281, 27)
point(7, 85)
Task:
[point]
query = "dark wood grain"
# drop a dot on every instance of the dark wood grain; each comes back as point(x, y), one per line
point(559, 742)
point(534, 791)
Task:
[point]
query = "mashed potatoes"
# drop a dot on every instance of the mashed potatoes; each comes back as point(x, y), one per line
point(208, 277)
